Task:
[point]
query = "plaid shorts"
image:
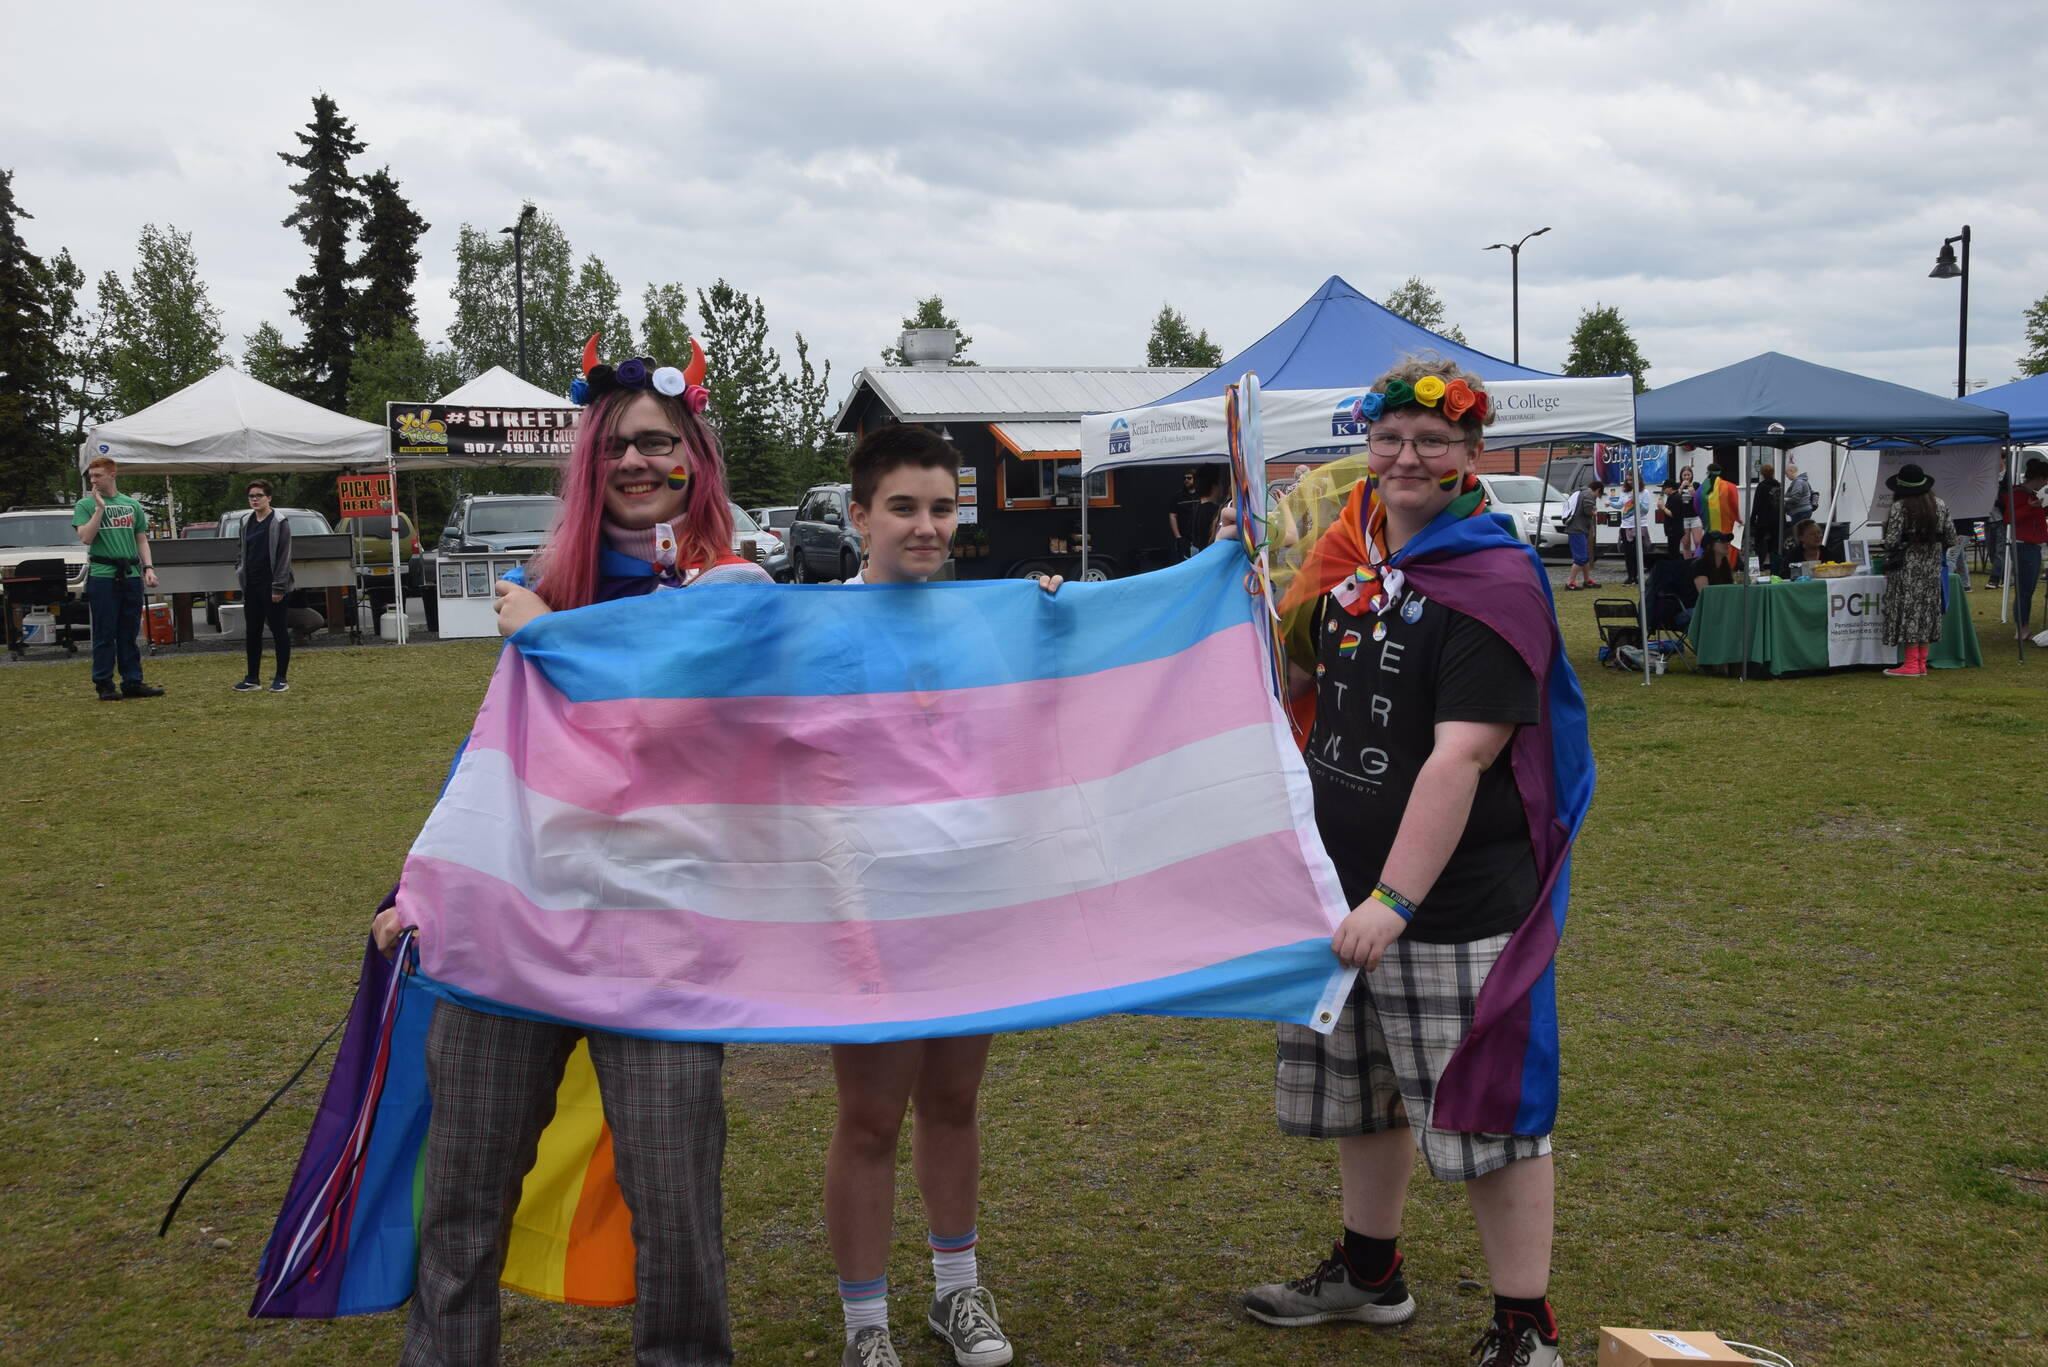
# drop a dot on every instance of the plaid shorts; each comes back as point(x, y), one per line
point(1379, 1067)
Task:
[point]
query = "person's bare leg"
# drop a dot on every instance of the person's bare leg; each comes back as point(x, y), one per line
point(1373, 1169)
point(945, 1131)
point(875, 1081)
point(1515, 1208)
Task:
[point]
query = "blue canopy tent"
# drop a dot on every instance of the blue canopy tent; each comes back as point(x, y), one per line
point(2025, 402)
point(1781, 401)
point(1777, 400)
point(1312, 369)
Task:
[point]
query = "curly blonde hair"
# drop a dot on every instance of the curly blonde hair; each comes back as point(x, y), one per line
point(1413, 367)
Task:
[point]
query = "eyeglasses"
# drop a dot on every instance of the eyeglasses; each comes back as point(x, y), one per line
point(254, 497)
point(647, 444)
point(1429, 446)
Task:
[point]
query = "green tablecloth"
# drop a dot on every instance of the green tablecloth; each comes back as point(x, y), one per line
point(1788, 628)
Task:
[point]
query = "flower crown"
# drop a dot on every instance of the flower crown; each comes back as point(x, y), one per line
point(640, 372)
point(1456, 398)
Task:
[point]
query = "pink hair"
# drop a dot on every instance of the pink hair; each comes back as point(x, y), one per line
point(568, 567)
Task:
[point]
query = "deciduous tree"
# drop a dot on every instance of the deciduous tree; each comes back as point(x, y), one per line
point(2035, 362)
point(1415, 300)
point(665, 322)
point(931, 313)
point(163, 331)
point(1602, 345)
point(744, 375)
point(1174, 343)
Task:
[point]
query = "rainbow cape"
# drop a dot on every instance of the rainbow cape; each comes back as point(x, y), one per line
point(849, 814)
point(1720, 504)
point(1503, 1077)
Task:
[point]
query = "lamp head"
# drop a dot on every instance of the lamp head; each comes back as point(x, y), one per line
point(1945, 267)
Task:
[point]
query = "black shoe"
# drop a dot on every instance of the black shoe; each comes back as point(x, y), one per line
point(139, 689)
point(107, 693)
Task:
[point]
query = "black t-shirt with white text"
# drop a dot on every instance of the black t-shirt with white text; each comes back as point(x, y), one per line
point(1382, 684)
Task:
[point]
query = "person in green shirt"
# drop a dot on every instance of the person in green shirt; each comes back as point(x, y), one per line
point(115, 530)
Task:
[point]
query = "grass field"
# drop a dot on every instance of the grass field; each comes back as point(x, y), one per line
point(1805, 1091)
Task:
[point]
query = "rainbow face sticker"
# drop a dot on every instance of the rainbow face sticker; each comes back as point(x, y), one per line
point(679, 478)
point(1347, 644)
point(1450, 479)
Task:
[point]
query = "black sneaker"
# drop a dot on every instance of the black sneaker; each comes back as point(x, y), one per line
point(249, 685)
point(107, 692)
point(1332, 1293)
point(278, 685)
point(139, 689)
point(1515, 1340)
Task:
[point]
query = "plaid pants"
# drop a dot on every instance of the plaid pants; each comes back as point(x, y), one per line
point(493, 1080)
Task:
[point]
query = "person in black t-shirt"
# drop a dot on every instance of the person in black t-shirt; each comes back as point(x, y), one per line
point(1418, 806)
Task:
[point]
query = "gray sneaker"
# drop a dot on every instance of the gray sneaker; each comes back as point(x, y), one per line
point(871, 1347)
point(1330, 1293)
point(966, 1320)
point(1509, 1344)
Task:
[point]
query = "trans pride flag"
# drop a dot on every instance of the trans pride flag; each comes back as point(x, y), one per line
point(847, 814)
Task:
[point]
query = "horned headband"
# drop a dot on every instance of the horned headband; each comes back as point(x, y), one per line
point(640, 372)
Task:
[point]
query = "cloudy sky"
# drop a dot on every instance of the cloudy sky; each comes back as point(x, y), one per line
point(1735, 177)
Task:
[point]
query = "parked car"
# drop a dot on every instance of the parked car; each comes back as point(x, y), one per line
point(370, 539)
point(193, 531)
point(1523, 500)
point(302, 521)
point(771, 552)
point(43, 534)
point(499, 522)
point(822, 542)
point(775, 519)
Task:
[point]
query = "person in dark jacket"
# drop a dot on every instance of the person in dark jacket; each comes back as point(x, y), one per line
point(1766, 515)
point(263, 567)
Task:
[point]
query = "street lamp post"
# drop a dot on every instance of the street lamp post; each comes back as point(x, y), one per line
point(1945, 268)
point(518, 234)
point(1515, 275)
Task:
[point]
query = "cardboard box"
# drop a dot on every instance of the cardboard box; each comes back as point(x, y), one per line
point(1663, 1348)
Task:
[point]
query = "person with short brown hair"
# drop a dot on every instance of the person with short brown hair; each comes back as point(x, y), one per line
point(263, 565)
point(115, 530)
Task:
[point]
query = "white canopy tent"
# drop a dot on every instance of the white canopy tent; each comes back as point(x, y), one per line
point(500, 388)
point(229, 423)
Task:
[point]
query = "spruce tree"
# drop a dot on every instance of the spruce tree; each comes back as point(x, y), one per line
point(390, 260)
point(31, 465)
point(330, 205)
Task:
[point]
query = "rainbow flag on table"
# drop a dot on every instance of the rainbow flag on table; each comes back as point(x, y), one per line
point(850, 814)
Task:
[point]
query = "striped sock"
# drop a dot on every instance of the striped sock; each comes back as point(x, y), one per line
point(864, 1304)
point(953, 1263)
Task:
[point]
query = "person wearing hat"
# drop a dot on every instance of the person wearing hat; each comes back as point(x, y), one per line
point(2028, 526)
point(1918, 533)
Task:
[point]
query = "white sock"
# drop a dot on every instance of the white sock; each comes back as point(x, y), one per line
point(864, 1304)
point(953, 1263)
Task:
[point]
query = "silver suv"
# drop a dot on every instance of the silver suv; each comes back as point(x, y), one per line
point(43, 534)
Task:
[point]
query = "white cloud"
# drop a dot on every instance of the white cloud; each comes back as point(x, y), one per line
point(1734, 177)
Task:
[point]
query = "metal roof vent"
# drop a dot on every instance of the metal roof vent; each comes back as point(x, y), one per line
point(927, 348)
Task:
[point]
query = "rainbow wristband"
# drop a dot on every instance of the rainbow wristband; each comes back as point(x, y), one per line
point(1401, 906)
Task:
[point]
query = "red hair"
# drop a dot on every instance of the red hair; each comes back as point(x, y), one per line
point(568, 567)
